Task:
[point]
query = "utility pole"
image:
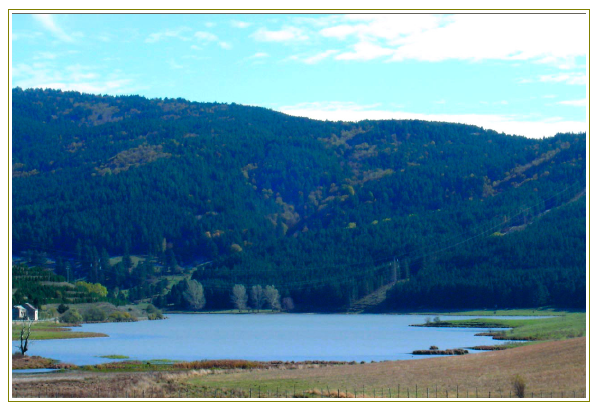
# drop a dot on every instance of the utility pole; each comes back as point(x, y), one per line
point(394, 269)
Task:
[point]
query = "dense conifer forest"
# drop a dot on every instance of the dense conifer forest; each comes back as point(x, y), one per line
point(140, 194)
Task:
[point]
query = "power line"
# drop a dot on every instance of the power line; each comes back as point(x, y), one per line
point(409, 257)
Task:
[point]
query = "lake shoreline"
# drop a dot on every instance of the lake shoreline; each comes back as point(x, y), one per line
point(488, 372)
point(325, 337)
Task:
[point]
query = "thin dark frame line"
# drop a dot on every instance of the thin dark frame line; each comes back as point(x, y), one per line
point(293, 12)
point(338, 13)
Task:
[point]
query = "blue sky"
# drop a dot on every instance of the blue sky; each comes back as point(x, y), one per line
point(519, 74)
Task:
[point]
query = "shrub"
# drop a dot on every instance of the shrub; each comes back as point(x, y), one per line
point(518, 386)
point(62, 308)
point(153, 313)
point(95, 314)
point(72, 316)
point(120, 316)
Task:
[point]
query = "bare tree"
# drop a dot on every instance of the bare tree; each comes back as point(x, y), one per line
point(257, 297)
point(239, 297)
point(194, 295)
point(25, 334)
point(272, 297)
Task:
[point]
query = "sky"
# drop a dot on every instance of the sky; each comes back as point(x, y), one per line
point(520, 74)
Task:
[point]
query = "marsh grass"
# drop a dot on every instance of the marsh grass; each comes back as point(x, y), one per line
point(25, 362)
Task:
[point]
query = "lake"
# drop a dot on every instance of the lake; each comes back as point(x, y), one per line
point(286, 337)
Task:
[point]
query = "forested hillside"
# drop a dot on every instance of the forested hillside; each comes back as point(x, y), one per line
point(327, 212)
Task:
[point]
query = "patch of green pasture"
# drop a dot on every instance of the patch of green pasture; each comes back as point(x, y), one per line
point(571, 325)
point(135, 260)
point(52, 331)
point(487, 313)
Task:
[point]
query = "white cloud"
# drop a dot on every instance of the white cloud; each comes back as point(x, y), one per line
point(319, 57)
point(101, 87)
point(45, 55)
point(288, 33)
point(174, 65)
point(365, 51)
point(389, 27)
point(442, 101)
point(205, 36)
point(210, 24)
point(509, 124)
point(259, 55)
point(104, 37)
point(542, 38)
point(575, 103)
point(568, 78)
point(468, 37)
point(178, 33)
point(75, 77)
point(25, 35)
point(240, 24)
point(47, 21)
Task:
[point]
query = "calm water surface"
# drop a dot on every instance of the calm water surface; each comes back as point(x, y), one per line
point(287, 337)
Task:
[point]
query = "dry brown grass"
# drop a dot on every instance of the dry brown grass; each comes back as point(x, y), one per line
point(558, 366)
point(25, 362)
point(103, 385)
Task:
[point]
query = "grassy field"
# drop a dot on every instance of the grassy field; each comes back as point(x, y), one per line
point(232, 311)
point(487, 313)
point(549, 369)
point(52, 331)
point(571, 325)
point(135, 260)
point(557, 366)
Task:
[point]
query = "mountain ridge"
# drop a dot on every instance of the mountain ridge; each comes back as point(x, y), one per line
point(267, 197)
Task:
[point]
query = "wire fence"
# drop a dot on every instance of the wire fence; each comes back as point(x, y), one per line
point(257, 392)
